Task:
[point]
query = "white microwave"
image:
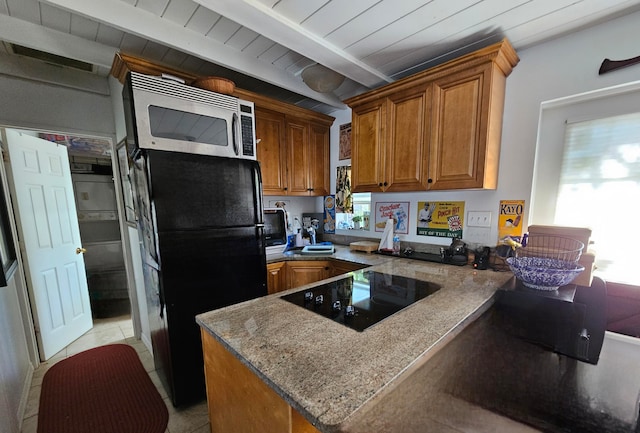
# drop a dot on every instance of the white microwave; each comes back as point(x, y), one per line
point(172, 116)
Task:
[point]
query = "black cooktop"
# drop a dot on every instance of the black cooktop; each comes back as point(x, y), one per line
point(362, 299)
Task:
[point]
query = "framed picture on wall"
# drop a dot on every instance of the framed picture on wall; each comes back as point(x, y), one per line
point(125, 183)
point(397, 211)
point(344, 150)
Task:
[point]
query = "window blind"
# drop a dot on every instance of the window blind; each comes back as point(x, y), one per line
point(599, 187)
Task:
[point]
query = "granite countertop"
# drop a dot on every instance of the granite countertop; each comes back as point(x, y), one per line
point(485, 379)
point(327, 371)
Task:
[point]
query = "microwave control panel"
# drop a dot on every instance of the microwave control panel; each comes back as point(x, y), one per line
point(247, 128)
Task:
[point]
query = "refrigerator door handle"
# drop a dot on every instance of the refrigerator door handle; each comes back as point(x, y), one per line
point(257, 185)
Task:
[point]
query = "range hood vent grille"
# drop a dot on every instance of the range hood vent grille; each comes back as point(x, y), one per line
point(51, 59)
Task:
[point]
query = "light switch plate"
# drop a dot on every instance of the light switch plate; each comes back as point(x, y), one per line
point(477, 235)
point(478, 218)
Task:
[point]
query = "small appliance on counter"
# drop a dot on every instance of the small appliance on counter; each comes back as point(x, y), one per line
point(481, 258)
point(275, 230)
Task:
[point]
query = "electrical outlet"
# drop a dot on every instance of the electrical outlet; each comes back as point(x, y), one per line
point(478, 219)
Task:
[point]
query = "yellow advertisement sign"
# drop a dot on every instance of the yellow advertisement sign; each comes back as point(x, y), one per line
point(510, 219)
point(440, 218)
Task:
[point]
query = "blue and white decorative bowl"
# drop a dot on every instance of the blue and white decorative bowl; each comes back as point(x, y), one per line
point(543, 273)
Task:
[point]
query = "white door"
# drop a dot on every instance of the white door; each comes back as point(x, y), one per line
point(47, 222)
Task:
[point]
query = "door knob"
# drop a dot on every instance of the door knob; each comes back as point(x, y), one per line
point(81, 250)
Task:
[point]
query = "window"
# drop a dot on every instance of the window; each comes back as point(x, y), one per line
point(361, 209)
point(599, 187)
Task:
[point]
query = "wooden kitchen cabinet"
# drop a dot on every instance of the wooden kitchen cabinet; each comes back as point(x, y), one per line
point(466, 129)
point(435, 130)
point(270, 130)
point(339, 267)
point(238, 400)
point(276, 277)
point(301, 272)
point(392, 133)
point(290, 274)
point(293, 151)
point(308, 164)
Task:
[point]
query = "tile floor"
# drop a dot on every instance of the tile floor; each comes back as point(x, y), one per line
point(193, 419)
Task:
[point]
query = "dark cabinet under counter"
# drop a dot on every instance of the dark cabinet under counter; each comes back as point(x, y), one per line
point(570, 320)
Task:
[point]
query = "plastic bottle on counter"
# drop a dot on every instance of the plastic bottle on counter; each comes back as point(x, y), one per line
point(299, 238)
point(396, 245)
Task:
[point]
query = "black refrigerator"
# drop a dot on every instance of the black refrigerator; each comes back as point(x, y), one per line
point(202, 244)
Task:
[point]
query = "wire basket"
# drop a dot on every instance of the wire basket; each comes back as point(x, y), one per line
point(552, 247)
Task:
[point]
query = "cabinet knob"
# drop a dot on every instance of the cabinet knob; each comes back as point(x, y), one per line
point(285, 188)
point(429, 180)
point(380, 184)
point(385, 184)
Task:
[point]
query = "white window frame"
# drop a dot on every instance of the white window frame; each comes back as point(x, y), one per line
point(617, 100)
point(349, 217)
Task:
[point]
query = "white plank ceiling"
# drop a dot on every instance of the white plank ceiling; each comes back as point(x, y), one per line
point(264, 45)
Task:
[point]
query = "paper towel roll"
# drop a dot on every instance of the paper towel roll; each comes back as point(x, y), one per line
point(386, 243)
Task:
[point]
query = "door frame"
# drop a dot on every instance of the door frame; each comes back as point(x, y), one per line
point(23, 295)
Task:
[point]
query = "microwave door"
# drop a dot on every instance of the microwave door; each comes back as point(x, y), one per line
point(168, 123)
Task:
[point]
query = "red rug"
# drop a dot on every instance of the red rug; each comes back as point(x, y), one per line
point(102, 390)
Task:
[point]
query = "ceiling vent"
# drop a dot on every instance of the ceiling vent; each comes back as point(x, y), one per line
point(52, 59)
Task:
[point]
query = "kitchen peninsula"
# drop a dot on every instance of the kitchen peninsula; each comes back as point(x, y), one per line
point(323, 370)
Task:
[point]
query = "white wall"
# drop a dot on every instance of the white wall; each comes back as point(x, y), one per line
point(15, 367)
point(551, 70)
point(17, 337)
point(36, 105)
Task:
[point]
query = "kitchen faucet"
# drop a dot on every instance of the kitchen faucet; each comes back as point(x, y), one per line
point(312, 234)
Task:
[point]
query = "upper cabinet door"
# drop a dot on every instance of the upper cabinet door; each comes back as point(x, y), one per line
point(408, 139)
point(270, 130)
point(319, 155)
point(299, 161)
point(368, 143)
point(461, 147)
